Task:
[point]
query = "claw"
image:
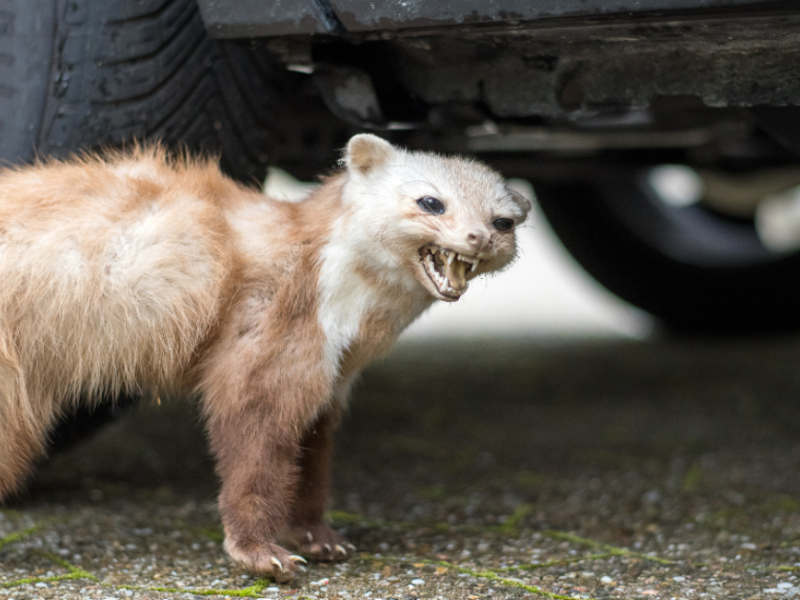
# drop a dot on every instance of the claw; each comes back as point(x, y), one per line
point(276, 562)
point(350, 546)
point(340, 550)
point(327, 547)
point(298, 559)
point(309, 537)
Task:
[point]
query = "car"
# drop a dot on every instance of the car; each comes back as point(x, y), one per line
point(591, 100)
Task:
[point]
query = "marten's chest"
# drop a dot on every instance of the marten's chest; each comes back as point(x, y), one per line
point(361, 319)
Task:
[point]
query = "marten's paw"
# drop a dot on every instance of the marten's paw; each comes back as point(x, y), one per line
point(318, 543)
point(265, 558)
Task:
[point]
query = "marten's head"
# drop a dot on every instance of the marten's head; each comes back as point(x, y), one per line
point(444, 220)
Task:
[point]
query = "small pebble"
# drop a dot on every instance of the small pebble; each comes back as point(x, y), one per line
point(417, 582)
point(606, 579)
point(678, 578)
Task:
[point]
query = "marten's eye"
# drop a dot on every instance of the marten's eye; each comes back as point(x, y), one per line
point(431, 205)
point(503, 224)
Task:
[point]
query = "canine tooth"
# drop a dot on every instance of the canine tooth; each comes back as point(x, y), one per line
point(276, 562)
point(296, 558)
point(450, 258)
point(474, 265)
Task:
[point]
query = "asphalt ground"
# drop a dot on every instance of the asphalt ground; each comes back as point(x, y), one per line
point(466, 470)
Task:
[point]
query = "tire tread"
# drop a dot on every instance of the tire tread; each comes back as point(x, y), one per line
point(148, 71)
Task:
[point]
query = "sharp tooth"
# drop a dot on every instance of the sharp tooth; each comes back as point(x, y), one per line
point(474, 265)
point(450, 258)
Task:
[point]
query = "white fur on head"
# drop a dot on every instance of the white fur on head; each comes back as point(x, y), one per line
point(366, 152)
point(390, 233)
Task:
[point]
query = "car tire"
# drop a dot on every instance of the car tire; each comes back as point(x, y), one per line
point(81, 74)
point(696, 270)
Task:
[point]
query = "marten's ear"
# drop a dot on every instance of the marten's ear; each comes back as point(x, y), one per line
point(524, 204)
point(366, 152)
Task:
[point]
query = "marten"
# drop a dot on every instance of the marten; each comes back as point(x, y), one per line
point(139, 270)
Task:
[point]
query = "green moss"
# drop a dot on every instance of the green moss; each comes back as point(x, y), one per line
point(67, 565)
point(616, 551)
point(513, 522)
point(509, 526)
point(782, 503)
point(18, 535)
point(29, 580)
point(724, 519)
point(554, 563)
point(215, 534)
point(254, 591)
point(692, 478)
point(73, 573)
point(785, 568)
point(10, 513)
point(486, 574)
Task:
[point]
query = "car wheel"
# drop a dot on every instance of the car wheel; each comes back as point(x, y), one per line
point(82, 74)
point(696, 269)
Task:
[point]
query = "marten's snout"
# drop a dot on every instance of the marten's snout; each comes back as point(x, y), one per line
point(478, 239)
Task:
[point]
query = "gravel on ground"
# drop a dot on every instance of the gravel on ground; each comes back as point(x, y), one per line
point(472, 470)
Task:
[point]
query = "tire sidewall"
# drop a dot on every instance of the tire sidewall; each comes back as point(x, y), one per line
point(26, 50)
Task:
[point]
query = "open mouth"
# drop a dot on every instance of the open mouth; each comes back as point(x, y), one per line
point(447, 269)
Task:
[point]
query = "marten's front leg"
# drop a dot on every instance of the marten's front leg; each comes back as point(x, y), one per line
point(258, 405)
point(257, 462)
point(306, 531)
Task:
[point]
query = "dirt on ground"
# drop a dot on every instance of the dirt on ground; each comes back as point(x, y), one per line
point(470, 470)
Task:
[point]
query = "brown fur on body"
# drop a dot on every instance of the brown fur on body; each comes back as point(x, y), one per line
point(137, 272)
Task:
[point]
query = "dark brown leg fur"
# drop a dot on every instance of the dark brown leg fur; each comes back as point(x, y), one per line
point(306, 530)
point(257, 461)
